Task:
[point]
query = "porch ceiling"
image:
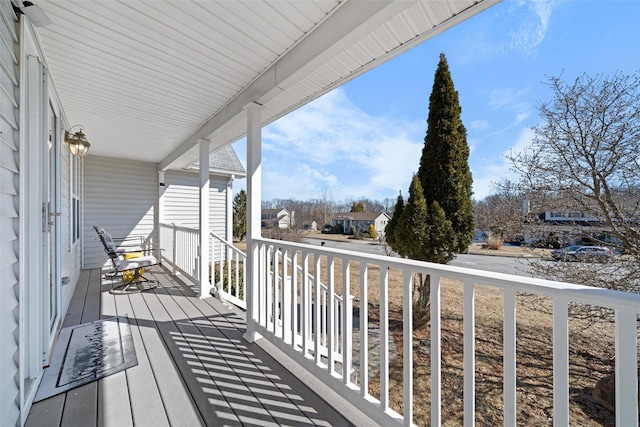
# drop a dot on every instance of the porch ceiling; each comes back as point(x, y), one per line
point(149, 79)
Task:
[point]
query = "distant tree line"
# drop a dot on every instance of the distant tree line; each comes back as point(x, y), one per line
point(320, 209)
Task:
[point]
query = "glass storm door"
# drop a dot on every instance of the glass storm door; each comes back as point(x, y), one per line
point(51, 222)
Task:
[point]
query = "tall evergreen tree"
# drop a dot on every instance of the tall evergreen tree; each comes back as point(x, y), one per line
point(357, 207)
point(240, 215)
point(390, 229)
point(441, 246)
point(444, 166)
point(413, 230)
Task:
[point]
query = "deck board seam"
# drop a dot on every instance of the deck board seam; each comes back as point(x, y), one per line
point(245, 351)
point(177, 326)
point(145, 298)
point(190, 303)
point(134, 324)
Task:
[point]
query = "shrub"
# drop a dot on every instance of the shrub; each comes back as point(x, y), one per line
point(287, 234)
point(372, 231)
point(494, 242)
point(226, 280)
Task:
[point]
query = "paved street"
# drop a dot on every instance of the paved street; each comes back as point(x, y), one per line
point(499, 264)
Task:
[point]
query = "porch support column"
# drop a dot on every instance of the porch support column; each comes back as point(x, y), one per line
point(254, 194)
point(205, 285)
point(160, 216)
point(229, 213)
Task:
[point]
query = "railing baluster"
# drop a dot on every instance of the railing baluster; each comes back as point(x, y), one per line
point(509, 354)
point(384, 338)
point(560, 363)
point(364, 330)
point(285, 301)
point(436, 346)
point(469, 353)
point(325, 311)
point(277, 288)
point(263, 287)
point(407, 346)
point(317, 309)
point(225, 257)
point(347, 323)
point(304, 305)
point(270, 265)
point(331, 290)
point(626, 369)
point(294, 312)
point(240, 279)
point(173, 253)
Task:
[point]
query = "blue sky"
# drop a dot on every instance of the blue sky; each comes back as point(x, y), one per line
point(365, 138)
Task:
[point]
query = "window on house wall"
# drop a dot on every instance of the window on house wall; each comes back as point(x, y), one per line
point(74, 180)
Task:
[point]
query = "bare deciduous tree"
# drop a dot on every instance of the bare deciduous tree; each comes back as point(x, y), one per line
point(585, 158)
point(501, 215)
point(326, 207)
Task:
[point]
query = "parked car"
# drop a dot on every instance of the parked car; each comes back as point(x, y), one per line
point(583, 253)
point(561, 254)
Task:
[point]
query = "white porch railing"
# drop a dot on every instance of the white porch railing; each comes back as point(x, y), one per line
point(286, 315)
point(229, 276)
point(180, 251)
point(288, 296)
point(179, 247)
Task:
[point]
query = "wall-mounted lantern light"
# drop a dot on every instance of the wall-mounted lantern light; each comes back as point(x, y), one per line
point(78, 144)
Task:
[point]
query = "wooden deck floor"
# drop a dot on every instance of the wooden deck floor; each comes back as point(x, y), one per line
point(194, 368)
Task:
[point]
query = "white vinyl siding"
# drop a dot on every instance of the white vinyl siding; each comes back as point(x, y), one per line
point(121, 196)
point(9, 220)
point(181, 201)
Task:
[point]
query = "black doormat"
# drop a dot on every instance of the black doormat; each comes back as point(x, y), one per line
point(86, 353)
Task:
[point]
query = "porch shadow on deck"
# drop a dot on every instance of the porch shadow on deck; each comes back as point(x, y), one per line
point(193, 368)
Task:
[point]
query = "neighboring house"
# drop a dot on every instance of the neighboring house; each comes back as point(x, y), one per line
point(564, 218)
point(360, 221)
point(276, 218)
point(566, 227)
point(309, 225)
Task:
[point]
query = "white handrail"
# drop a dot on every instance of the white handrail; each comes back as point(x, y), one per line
point(333, 330)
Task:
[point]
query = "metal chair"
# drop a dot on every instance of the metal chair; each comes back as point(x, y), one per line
point(134, 266)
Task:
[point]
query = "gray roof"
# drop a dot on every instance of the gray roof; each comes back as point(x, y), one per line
point(223, 161)
point(359, 216)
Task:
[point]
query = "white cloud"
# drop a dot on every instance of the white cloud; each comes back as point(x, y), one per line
point(520, 117)
point(480, 125)
point(330, 127)
point(522, 142)
point(331, 143)
point(532, 24)
point(300, 181)
point(523, 23)
point(512, 107)
point(507, 97)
